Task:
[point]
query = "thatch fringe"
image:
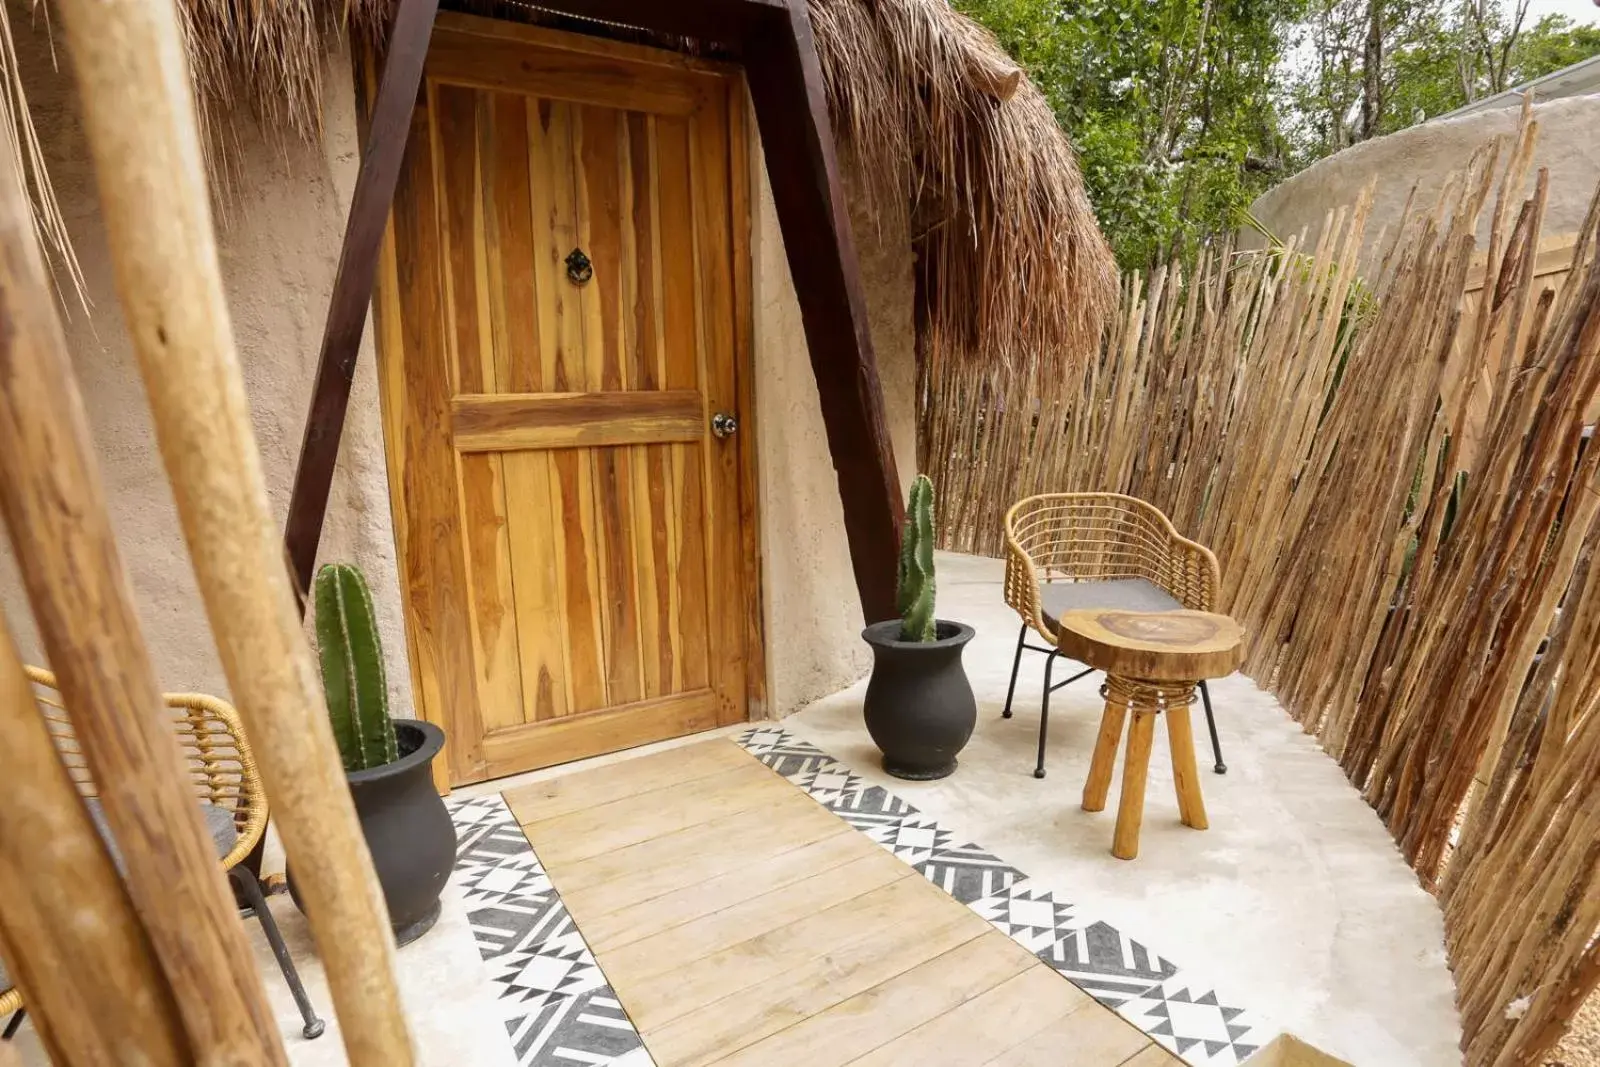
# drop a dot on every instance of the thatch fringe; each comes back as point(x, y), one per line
point(951, 136)
point(1397, 568)
point(950, 141)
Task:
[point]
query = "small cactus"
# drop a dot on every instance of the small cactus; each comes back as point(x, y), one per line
point(352, 668)
point(914, 583)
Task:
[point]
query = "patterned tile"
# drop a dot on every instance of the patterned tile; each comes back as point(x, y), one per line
point(968, 873)
point(869, 808)
point(1106, 963)
point(587, 1028)
point(515, 877)
point(554, 998)
point(913, 838)
point(829, 784)
point(519, 924)
point(1029, 915)
point(1194, 1023)
point(784, 752)
point(558, 967)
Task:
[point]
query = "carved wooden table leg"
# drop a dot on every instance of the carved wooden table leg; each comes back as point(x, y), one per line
point(1105, 758)
point(1185, 775)
point(1135, 767)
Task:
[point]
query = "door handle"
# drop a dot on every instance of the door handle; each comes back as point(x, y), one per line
point(724, 425)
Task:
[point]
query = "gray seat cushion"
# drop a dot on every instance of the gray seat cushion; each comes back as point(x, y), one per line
point(219, 826)
point(1126, 594)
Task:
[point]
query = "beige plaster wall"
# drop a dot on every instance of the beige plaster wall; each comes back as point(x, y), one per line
point(1568, 144)
point(279, 246)
point(812, 611)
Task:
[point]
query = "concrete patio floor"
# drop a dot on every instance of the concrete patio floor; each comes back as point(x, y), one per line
point(1294, 904)
point(1295, 901)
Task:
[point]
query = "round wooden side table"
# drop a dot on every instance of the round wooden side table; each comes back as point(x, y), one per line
point(1152, 660)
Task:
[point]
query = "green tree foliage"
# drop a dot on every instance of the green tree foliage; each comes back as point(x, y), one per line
point(1430, 57)
point(1170, 104)
point(1184, 111)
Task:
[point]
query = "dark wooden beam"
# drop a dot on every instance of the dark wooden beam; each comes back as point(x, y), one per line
point(406, 49)
point(785, 78)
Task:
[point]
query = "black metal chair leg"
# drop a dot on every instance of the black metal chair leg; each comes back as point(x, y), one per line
point(1211, 724)
point(15, 1022)
point(1044, 714)
point(1016, 663)
point(251, 889)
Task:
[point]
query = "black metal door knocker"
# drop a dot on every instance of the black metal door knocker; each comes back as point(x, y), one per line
point(579, 269)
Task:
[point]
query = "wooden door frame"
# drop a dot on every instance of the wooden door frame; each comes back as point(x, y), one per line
point(789, 99)
point(388, 349)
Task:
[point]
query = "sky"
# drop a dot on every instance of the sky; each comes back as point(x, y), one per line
point(1576, 10)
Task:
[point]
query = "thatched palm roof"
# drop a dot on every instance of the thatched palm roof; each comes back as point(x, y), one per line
point(956, 147)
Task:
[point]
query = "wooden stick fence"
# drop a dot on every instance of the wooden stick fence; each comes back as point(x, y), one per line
point(1421, 599)
point(153, 967)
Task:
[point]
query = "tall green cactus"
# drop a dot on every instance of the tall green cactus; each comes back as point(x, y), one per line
point(914, 583)
point(352, 668)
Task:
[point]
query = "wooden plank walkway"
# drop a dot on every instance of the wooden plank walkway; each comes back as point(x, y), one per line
point(741, 923)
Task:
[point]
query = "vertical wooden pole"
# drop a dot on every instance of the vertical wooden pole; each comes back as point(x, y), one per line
point(1185, 776)
point(129, 61)
point(1135, 766)
point(352, 283)
point(791, 105)
point(97, 996)
point(55, 510)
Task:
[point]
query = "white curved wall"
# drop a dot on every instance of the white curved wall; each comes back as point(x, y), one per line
point(1423, 156)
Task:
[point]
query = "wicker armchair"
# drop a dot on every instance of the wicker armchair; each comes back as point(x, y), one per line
point(1068, 551)
point(232, 803)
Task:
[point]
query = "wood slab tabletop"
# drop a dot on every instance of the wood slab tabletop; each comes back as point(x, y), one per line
point(1159, 646)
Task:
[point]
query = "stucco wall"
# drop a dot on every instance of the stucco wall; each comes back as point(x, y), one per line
point(1568, 144)
point(279, 246)
point(813, 615)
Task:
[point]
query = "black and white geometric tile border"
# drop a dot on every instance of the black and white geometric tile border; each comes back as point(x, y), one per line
point(1183, 1014)
point(557, 1007)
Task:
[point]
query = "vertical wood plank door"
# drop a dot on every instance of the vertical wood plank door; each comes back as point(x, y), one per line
point(558, 327)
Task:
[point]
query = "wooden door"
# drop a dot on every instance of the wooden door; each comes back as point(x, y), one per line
point(559, 325)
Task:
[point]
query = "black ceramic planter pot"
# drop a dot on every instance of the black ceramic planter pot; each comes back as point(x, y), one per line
point(919, 707)
point(408, 829)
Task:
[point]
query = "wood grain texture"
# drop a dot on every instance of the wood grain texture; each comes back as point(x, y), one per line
point(1104, 761)
point(140, 125)
point(1135, 770)
point(1082, 1036)
point(1185, 776)
point(594, 733)
point(780, 935)
point(572, 519)
point(1005, 1015)
point(55, 511)
point(502, 62)
point(513, 422)
point(1155, 645)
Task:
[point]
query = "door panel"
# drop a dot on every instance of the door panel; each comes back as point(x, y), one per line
point(570, 531)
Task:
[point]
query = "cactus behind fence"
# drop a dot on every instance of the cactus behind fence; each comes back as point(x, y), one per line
point(352, 668)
